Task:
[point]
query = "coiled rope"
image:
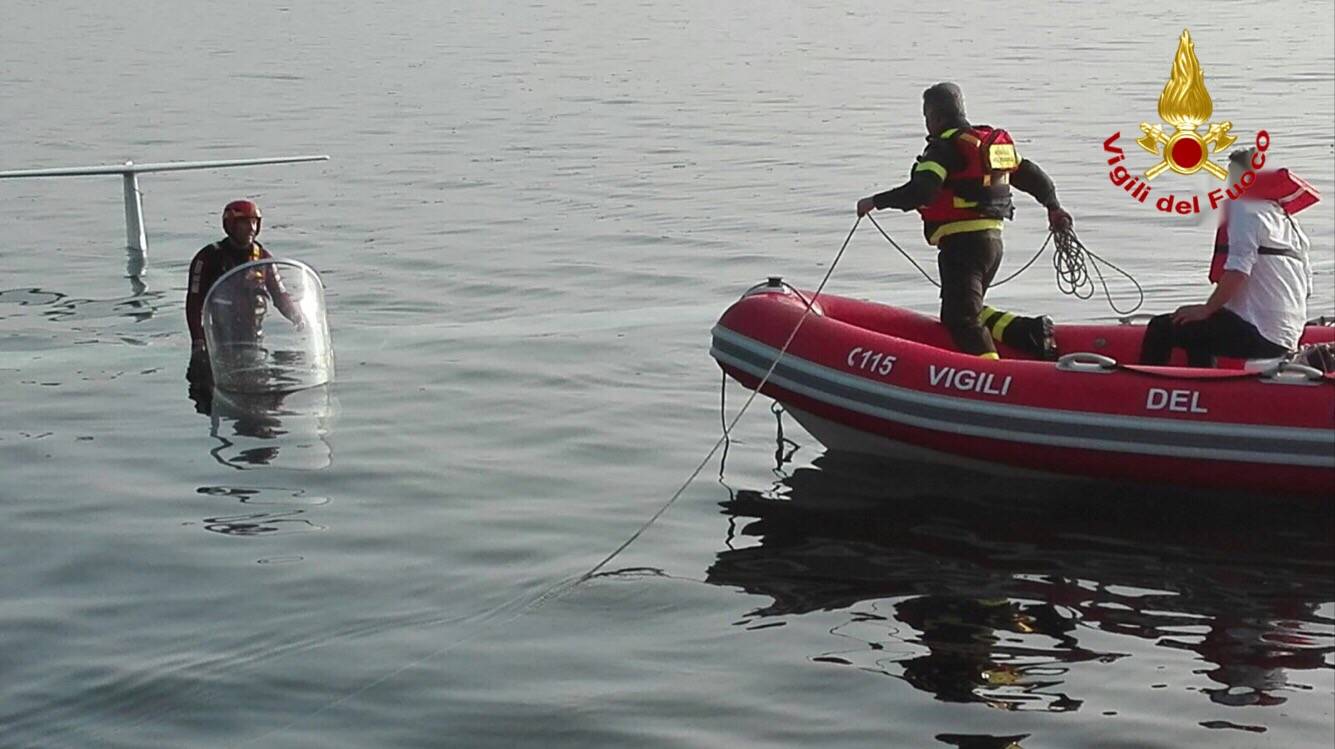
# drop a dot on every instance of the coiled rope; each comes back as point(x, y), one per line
point(1068, 261)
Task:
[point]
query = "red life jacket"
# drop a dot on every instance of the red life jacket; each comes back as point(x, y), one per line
point(1293, 194)
point(980, 192)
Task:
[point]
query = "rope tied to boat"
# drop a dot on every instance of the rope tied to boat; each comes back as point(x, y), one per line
point(808, 305)
point(1068, 261)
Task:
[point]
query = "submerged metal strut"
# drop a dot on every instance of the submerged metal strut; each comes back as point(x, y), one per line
point(135, 239)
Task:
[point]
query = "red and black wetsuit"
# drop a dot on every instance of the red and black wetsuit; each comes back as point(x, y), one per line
point(211, 263)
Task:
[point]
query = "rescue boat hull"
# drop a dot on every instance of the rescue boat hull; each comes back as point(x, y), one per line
point(872, 378)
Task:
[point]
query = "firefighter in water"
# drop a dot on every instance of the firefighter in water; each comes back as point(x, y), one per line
point(241, 222)
point(961, 187)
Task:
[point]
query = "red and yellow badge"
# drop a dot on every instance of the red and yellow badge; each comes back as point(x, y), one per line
point(1185, 104)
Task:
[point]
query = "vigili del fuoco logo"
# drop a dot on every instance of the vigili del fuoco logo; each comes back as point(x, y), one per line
point(1186, 106)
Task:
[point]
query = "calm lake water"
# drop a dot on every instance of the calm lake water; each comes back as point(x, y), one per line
point(533, 215)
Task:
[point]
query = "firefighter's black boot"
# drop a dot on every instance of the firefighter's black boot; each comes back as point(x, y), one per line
point(1034, 335)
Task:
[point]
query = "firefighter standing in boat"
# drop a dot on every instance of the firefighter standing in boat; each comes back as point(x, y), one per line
point(961, 186)
point(241, 221)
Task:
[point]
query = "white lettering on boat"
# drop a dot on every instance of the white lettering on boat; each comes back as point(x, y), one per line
point(1181, 401)
point(872, 361)
point(967, 380)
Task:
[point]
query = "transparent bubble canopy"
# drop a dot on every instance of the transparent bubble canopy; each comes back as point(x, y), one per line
point(266, 328)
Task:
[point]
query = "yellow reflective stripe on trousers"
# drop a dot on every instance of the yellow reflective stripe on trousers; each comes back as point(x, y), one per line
point(990, 355)
point(959, 227)
point(999, 327)
point(931, 166)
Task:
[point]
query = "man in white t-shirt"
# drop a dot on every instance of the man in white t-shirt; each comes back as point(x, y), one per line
point(1259, 306)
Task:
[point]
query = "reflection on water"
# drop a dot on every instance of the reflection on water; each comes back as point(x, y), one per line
point(1004, 653)
point(972, 741)
point(253, 368)
point(141, 305)
point(986, 594)
point(288, 429)
point(268, 511)
point(135, 263)
point(295, 425)
point(29, 297)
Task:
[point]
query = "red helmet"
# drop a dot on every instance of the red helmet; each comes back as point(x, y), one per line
point(241, 209)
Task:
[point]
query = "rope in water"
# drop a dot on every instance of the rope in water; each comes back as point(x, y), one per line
point(562, 587)
point(1071, 271)
point(1068, 261)
point(727, 430)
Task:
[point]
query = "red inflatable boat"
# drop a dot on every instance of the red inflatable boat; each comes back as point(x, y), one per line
point(872, 378)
